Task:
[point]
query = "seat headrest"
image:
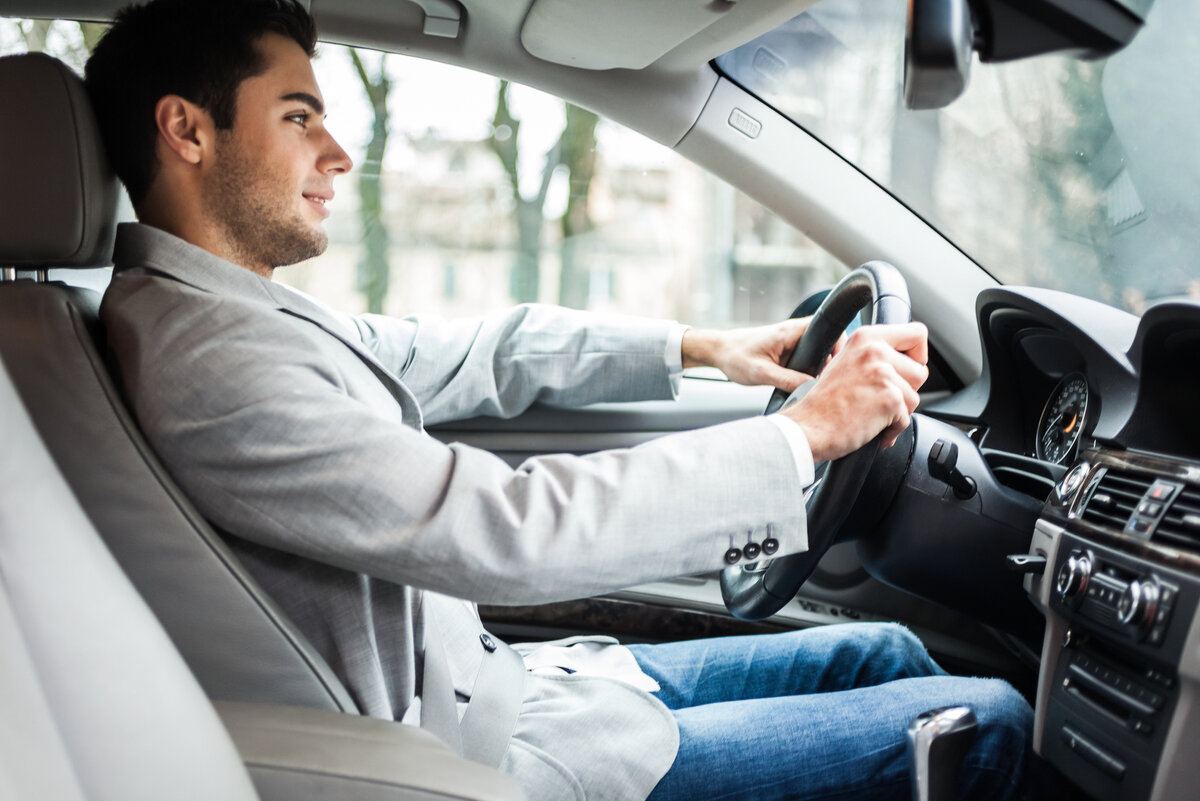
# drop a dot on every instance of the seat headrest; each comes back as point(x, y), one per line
point(59, 198)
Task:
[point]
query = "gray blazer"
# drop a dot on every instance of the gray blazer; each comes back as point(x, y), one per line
point(298, 431)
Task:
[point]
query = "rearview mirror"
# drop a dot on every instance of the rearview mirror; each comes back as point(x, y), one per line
point(943, 35)
point(938, 46)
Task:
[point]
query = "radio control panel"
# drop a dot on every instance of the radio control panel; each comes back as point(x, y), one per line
point(1133, 602)
point(1115, 683)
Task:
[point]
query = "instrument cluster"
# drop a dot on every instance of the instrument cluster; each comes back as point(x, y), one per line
point(1063, 419)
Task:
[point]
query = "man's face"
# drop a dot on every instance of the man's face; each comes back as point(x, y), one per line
point(274, 169)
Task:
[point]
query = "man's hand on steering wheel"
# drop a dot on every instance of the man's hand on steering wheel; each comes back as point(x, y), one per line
point(751, 356)
point(869, 386)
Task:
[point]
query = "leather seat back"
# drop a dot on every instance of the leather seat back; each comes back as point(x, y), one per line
point(96, 702)
point(235, 639)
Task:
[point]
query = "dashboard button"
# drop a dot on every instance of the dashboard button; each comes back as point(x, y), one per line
point(1162, 490)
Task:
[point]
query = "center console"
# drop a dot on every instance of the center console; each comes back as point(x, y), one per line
point(1118, 694)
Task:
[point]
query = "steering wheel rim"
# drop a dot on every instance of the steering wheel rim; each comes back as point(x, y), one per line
point(753, 592)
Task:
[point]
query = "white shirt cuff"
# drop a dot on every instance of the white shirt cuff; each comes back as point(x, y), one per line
point(798, 442)
point(673, 355)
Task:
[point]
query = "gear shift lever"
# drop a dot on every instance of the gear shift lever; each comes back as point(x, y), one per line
point(937, 742)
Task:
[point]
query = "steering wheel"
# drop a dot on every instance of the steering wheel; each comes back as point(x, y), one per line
point(758, 590)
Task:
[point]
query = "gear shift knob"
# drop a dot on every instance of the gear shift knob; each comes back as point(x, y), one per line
point(937, 742)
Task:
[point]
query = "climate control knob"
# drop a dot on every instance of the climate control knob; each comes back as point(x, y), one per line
point(1073, 575)
point(1138, 604)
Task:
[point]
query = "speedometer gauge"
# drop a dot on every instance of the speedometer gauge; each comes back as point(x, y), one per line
point(1062, 420)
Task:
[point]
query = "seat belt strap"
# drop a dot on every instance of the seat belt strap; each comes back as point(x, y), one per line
point(491, 716)
point(439, 710)
point(496, 698)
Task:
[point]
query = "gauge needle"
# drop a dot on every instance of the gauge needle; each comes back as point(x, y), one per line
point(1074, 420)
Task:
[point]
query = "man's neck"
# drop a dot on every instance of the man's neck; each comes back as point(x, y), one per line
point(207, 237)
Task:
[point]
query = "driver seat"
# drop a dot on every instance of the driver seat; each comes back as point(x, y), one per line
point(59, 208)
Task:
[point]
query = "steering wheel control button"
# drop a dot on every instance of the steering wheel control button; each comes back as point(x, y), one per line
point(770, 546)
point(489, 644)
point(733, 556)
point(751, 550)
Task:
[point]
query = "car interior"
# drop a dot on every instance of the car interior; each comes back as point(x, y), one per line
point(1039, 521)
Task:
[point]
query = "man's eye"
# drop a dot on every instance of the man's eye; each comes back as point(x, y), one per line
point(299, 119)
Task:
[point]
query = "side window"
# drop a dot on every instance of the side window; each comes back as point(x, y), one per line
point(66, 40)
point(470, 194)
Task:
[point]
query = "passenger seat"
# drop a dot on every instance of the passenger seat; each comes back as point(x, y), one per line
point(96, 703)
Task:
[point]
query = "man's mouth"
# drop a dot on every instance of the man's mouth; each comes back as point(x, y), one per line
point(319, 199)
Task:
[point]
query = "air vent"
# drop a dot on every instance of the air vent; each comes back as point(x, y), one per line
point(1115, 498)
point(1180, 526)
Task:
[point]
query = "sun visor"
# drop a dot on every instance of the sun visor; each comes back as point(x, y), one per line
point(633, 34)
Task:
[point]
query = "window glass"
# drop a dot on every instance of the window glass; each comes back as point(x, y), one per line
point(64, 39)
point(1056, 172)
point(469, 194)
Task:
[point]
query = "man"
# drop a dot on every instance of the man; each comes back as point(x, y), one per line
point(298, 431)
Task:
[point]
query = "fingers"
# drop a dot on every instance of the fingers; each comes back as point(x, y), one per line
point(794, 328)
point(913, 372)
point(837, 346)
point(905, 347)
point(911, 339)
point(783, 378)
point(869, 388)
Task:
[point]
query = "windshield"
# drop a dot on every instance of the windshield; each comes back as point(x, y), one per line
point(1051, 172)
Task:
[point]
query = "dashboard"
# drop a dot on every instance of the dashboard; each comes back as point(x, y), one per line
point(1099, 408)
point(1063, 374)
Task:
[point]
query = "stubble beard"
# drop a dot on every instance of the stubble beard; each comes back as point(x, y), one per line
point(252, 205)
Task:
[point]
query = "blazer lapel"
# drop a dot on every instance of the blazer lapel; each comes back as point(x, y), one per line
point(299, 305)
point(148, 248)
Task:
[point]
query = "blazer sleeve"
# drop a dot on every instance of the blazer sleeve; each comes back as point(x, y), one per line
point(500, 364)
point(255, 422)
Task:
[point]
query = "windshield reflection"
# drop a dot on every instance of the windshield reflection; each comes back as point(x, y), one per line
point(1051, 172)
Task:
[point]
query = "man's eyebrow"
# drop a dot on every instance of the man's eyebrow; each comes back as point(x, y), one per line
point(305, 97)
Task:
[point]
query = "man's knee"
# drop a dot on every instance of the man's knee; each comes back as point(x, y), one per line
point(893, 644)
point(998, 705)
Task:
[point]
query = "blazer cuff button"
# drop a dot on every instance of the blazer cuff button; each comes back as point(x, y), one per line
point(751, 550)
point(733, 556)
point(489, 644)
point(770, 546)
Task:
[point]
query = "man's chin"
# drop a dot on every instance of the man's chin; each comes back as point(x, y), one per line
point(302, 248)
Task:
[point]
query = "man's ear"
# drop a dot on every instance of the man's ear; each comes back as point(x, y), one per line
point(186, 129)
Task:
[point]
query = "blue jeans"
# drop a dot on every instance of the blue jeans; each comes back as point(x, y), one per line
point(822, 713)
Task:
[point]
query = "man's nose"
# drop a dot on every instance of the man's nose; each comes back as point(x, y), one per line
point(334, 159)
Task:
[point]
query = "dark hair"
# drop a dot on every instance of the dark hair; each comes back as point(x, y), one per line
point(201, 50)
